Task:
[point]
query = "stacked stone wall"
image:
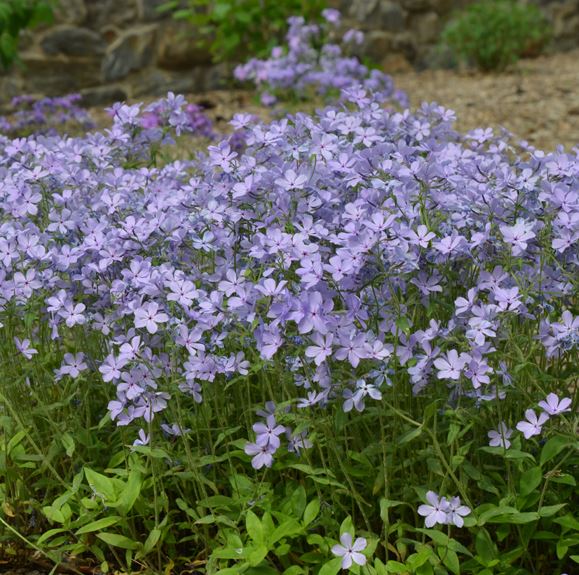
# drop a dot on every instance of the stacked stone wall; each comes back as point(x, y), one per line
point(114, 49)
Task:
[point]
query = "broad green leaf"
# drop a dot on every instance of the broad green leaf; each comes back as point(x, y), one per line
point(130, 493)
point(98, 524)
point(152, 541)
point(311, 511)
point(254, 527)
point(553, 447)
point(100, 484)
point(550, 510)
point(530, 480)
point(332, 567)
point(286, 529)
point(410, 435)
point(117, 540)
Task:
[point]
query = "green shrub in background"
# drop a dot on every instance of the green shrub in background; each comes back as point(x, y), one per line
point(235, 29)
point(492, 34)
point(15, 16)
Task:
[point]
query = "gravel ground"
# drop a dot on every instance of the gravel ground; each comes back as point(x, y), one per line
point(537, 100)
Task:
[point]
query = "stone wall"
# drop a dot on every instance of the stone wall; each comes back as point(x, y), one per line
point(113, 49)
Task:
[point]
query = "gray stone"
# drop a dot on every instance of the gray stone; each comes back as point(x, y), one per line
point(111, 12)
point(427, 27)
point(70, 11)
point(379, 14)
point(378, 44)
point(72, 41)
point(147, 10)
point(102, 95)
point(132, 51)
point(179, 47)
point(57, 75)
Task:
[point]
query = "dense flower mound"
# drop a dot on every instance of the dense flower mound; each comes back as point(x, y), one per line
point(338, 245)
point(44, 115)
point(313, 60)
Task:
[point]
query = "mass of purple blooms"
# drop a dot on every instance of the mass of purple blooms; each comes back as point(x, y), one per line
point(310, 61)
point(191, 119)
point(327, 245)
point(30, 114)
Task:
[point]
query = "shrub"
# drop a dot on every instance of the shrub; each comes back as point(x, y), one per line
point(234, 29)
point(15, 16)
point(492, 34)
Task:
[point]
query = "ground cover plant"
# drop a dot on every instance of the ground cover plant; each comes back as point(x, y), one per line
point(349, 345)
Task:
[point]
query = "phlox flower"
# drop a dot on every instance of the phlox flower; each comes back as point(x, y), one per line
point(262, 454)
point(148, 316)
point(451, 366)
point(500, 437)
point(532, 425)
point(436, 511)
point(356, 398)
point(518, 235)
point(25, 348)
point(350, 551)
point(553, 406)
point(455, 512)
point(268, 432)
point(73, 364)
point(323, 348)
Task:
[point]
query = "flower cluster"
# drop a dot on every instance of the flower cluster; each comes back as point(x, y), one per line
point(443, 511)
point(310, 62)
point(189, 119)
point(355, 247)
point(44, 115)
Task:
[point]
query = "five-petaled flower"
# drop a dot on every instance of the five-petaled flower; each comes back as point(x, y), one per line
point(349, 551)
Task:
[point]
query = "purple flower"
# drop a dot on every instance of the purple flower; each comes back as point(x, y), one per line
point(73, 364)
point(268, 433)
point(350, 551)
point(553, 406)
point(322, 350)
point(500, 436)
point(148, 316)
point(436, 511)
point(262, 454)
point(451, 366)
point(455, 512)
point(25, 348)
point(533, 424)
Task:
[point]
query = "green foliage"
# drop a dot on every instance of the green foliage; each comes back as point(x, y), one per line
point(235, 29)
point(492, 34)
point(15, 16)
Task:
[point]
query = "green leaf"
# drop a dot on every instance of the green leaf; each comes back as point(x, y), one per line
point(438, 537)
point(395, 567)
point(484, 547)
point(410, 435)
point(254, 527)
point(311, 511)
point(53, 514)
point(117, 540)
point(100, 484)
point(130, 493)
point(257, 554)
point(450, 560)
point(568, 522)
point(151, 541)
point(550, 510)
point(286, 529)
point(530, 480)
point(553, 447)
point(98, 524)
point(332, 567)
